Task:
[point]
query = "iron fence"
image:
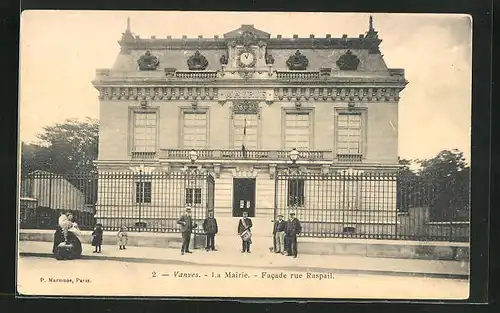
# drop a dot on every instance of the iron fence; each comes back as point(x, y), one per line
point(140, 201)
point(342, 204)
point(374, 205)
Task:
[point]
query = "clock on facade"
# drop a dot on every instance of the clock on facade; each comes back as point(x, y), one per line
point(247, 59)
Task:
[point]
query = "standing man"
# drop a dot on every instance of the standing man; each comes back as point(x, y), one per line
point(211, 229)
point(292, 229)
point(187, 225)
point(244, 230)
point(279, 235)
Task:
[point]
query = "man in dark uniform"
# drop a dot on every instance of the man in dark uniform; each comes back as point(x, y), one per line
point(187, 225)
point(245, 224)
point(211, 229)
point(292, 229)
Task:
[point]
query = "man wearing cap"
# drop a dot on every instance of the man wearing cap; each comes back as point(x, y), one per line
point(292, 229)
point(279, 235)
point(187, 225)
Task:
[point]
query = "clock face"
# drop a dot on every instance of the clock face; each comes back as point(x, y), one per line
point(247, 59)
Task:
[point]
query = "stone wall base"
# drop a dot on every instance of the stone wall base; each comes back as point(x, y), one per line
point(318, 246)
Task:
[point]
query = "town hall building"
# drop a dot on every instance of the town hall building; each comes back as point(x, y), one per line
point(244, 108)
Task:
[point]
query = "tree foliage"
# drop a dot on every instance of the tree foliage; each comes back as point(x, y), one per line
point(441, 183)
point(63, 148)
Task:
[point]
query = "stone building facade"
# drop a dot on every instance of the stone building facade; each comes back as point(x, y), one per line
point(242, 103)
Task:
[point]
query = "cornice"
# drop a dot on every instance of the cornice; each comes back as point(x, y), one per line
point(267, 94)
point(130, 43)
point(218, 81)
point(246, 84)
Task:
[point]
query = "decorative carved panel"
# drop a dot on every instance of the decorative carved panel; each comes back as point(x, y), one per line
point(250, 94)
point(244, 171)
point(246, 107)
point(217, 170)
point(223, 59)
point(148, 62)
point(272, 170)
point(348, 61)
point(197, 61)
point(269, 59)
point(297, 61)
point(247, 39)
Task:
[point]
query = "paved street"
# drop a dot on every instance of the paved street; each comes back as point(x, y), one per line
point(228, 255)
point(46, 276)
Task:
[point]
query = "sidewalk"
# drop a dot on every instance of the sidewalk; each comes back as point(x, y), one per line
point(261, 258)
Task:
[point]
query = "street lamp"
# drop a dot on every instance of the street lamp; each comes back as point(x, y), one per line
point(294, 155)
point(193, 156)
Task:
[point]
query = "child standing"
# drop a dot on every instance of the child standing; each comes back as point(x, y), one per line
point(122, 238)
point(97, 238)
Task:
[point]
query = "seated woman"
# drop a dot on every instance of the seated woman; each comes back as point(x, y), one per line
point(67, 232)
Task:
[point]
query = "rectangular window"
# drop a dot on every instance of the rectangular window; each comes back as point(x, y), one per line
point(349, 134)
point(297, 130)
point(247, 135)
point(194, 130)
point(193, 196)
point(296, 192)
point(144, 132)
point(143, 192)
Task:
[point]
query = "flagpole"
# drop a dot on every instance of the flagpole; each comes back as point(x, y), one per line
point(243, 148)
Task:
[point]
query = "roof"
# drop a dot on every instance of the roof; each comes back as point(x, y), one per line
point(369, 41)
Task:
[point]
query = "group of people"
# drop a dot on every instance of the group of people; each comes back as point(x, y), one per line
point(68, 242)
point(284, 233)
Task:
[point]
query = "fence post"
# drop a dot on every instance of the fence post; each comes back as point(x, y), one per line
point(50, 190)
point(142, 194)
point(275, 195)
point(399, 198)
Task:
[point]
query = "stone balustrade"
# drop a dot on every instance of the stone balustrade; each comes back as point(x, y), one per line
point(297, 75)
point(196, 74)
point(349, 158)
point(144, 155)
point(230, 154)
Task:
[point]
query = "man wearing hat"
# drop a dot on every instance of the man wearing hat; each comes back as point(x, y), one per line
point(187, 225)
point(279, 235)
point(292, 229)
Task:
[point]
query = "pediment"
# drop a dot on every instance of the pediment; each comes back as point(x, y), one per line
point(259, 34)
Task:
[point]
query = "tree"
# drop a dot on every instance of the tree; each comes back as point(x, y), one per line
point(442, 183)
point(448, 176)
point(63, 148)
point(34, 157)
point(407, 191)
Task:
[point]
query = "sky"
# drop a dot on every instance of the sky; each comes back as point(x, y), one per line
point(60, 51)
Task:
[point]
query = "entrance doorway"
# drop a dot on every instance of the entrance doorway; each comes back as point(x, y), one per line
point(243, 196)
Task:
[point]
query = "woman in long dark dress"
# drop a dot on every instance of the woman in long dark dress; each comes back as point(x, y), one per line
point(67, 232)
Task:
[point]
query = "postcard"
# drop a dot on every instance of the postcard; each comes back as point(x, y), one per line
point(264, 155)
